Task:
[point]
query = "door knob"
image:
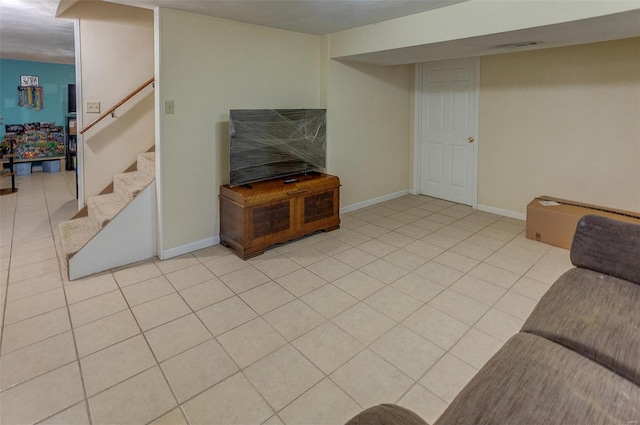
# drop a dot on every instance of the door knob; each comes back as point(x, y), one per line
point(470, 139)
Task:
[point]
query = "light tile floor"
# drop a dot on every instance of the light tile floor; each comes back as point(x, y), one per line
point(403, 304)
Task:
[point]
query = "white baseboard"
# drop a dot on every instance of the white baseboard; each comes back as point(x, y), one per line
point(499, 211)
point(373, 201)
point(190, 247)
point(205, 243)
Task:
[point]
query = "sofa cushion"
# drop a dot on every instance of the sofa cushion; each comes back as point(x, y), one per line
point(595, 315)
point(608, 246)
point(531, 380)
point(386, 414)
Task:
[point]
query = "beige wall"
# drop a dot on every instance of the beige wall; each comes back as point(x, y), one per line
point(116, 52)
point(561, 122)
point(245, 66)
point(208, 66)
point(369, 126)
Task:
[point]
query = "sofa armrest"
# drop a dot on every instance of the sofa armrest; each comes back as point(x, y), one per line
point(607, 246)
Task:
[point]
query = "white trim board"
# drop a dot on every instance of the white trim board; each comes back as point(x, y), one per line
point(190, 247)
point(499, 211)
point(417, 129)
point(205, 243)
point(79, 113)
point(374, 201)
point(158, 117)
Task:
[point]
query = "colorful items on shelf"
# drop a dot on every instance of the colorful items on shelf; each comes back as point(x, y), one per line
point(35, 140)
point(5, 147)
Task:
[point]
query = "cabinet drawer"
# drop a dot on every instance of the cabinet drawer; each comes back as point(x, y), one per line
point(317, 207)
point(271, 219)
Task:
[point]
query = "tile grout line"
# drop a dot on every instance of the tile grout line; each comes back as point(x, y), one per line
point(465, 274)
point(296, 298)
point(288, 343)
point(400, 322)
point(276, 330)
point(213, 337)
point(6, 295)
point(75, 344)
point(51, 336)
point(155, 357)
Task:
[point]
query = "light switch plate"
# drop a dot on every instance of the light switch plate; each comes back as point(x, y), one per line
point(92, 107)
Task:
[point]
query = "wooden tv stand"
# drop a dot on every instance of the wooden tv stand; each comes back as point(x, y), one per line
point(257, 216)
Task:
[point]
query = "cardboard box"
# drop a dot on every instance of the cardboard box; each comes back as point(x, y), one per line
point(553, 221)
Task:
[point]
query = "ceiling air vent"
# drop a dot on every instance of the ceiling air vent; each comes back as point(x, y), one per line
point(518, 45)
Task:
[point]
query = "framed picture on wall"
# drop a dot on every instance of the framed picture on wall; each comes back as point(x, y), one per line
point(29, 80)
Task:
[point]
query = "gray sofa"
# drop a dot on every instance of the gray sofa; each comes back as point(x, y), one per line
point(576, 359)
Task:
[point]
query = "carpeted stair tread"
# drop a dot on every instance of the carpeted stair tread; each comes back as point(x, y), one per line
point(129, 185)
point(147, 163)
point(103, 208)
point(74, 234)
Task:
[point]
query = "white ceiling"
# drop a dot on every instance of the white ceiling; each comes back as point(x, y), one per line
point(29, 30)
point(306, 16)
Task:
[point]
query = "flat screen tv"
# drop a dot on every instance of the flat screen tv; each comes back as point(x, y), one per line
point(72, 99)
point(273, 143)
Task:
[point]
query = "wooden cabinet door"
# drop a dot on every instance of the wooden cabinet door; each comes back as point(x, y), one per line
point(319, 210)
point(319, 206)
point(270, 221)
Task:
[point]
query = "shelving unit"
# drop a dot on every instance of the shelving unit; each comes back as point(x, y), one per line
point(71, 141)
point(36, 142)
point(9, 158)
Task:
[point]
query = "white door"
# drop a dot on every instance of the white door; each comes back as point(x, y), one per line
point(448, 115)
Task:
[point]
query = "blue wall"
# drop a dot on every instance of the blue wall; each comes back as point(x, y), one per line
point(54, 79)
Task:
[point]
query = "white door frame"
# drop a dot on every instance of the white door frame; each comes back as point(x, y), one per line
point(419, 131)
point(79, 114)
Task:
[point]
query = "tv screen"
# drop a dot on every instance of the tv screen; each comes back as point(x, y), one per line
point(271, 143)
point(72, 99)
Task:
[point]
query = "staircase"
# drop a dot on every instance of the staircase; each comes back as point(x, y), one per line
point(119, 228)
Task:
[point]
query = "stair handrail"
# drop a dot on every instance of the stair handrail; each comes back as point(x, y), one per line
point(111, 111)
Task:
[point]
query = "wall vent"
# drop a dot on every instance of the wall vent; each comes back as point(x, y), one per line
point(518, 45)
